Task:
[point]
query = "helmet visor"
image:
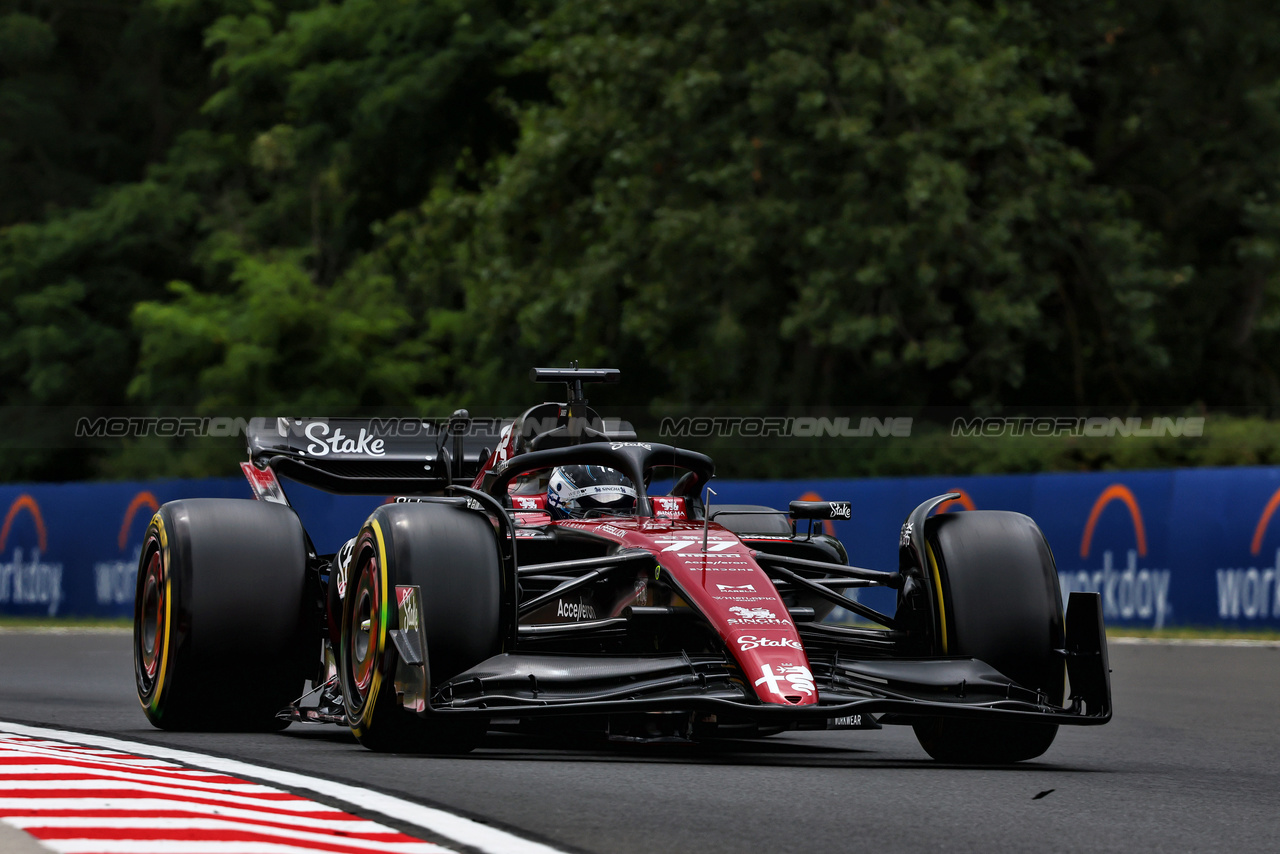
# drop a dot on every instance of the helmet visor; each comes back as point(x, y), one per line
point(577, 490)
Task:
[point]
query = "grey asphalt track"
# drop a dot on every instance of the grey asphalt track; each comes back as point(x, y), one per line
point(1190, 763)
point(15, 841)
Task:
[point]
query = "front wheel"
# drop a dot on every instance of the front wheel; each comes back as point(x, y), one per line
point(431, 573)
point(996, 598)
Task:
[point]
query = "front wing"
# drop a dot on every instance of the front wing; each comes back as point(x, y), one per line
point(538, 684)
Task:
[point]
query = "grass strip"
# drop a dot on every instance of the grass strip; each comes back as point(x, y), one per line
point(1193, 633)
point(65, 623)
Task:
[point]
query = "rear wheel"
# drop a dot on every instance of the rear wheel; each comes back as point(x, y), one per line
point(996, 598)
point(222, 632)
point(432, 573)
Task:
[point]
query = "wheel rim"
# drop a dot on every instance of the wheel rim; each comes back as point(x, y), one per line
point(364, 627)
point(150, 626)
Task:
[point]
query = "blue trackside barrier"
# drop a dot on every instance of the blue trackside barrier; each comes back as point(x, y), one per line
point(1194, 547)
point(71, 550)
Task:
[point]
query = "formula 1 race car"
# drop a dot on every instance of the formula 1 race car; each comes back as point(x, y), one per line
point(554, 573)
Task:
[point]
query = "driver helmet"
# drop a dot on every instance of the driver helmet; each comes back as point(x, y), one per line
point(574, 491)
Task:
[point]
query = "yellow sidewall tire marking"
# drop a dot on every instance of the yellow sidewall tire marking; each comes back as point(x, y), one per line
point(366, 714)
point(937, 586)
point(163, 652)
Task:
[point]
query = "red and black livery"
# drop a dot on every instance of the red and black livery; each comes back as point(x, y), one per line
point(464, 606)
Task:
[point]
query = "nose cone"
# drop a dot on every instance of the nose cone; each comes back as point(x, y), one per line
point(786, 682)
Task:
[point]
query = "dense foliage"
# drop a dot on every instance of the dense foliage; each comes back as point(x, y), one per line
point(304, 206)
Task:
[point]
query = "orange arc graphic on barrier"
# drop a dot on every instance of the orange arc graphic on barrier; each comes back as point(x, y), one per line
point(1115, 492)
point(965, 501)
point(827, 527)
point(142, 499)
point(1263, 521)
point(25, 502)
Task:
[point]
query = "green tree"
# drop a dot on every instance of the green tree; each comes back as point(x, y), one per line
point(92, 97)
point(307, 206)
point(89, 94)
point(1183, 115)
point(802, 201)
point(308, 124)
point(330, 119)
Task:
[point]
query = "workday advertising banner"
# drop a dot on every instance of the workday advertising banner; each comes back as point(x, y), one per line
point(1164, 548)
point(72, 549)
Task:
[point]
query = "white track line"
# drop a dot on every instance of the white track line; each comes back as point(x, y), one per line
point(473, 834)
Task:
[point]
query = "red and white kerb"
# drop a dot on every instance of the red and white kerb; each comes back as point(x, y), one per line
point(84, 800)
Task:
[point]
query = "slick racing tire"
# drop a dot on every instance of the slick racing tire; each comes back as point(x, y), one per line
point(997, 599)
point(450, 555)
point(223, 632)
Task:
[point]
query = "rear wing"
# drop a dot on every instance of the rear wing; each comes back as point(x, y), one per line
point(388, 456)
point(370, 456)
